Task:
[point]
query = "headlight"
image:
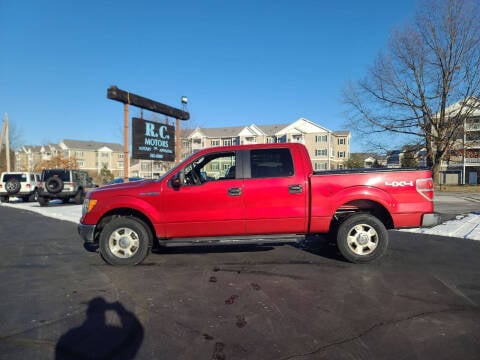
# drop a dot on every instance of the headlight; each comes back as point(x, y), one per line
point(88, 205)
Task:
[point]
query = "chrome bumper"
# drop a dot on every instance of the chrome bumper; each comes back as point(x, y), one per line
point(431, 219)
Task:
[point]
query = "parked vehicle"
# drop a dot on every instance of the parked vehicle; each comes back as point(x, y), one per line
point(19, 184)
point(64, 184)
point(272, 196)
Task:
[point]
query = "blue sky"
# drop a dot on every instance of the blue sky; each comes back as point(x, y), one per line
point(239, 62)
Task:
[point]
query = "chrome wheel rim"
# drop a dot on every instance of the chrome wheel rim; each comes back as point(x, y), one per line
point(362, 239)
point(123, 242)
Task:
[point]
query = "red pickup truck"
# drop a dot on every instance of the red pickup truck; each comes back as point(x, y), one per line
point(255, 194)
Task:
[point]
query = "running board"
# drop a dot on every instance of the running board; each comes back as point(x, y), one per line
point(232, 240)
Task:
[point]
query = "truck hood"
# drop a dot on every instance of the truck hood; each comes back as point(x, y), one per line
point(122, 186)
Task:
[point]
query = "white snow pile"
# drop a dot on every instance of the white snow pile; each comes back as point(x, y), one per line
point(463, 226)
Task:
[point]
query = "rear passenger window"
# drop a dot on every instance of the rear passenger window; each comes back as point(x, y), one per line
point(266, 163)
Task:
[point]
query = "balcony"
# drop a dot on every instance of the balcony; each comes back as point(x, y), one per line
point(472, 127)
point(472, 144)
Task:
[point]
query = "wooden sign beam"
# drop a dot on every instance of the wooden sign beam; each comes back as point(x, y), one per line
point(114, 93)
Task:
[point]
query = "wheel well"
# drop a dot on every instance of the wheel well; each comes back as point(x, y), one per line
point(124, 212)
point(362, 206)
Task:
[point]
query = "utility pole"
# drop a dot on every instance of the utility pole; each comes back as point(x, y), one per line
point(7, 141)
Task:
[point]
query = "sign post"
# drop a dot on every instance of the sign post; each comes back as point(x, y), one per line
point(127, 98)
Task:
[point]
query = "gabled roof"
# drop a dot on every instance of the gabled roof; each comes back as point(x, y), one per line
point(90, 145)
point(470, 106)
point(302, 125)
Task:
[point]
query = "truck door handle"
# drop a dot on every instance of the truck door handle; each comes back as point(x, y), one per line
point(295, 189)
point(234, 191)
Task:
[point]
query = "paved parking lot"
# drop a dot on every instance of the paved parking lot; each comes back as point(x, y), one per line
point(279, 302)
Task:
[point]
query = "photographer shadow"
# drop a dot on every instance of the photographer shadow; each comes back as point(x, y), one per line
point(109, 332)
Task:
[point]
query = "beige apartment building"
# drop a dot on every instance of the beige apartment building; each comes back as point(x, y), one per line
point(91, 156)
point(328, 149)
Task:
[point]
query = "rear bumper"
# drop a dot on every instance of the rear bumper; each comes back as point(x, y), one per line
point(431, 219)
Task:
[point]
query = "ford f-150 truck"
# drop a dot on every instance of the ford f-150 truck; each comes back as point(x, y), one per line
point(255, 194)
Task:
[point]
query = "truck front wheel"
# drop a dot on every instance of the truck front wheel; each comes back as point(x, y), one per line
point(362, 238)
point(125, 241)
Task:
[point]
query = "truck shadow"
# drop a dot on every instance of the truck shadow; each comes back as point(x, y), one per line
point(315, 244)
point(321, 246)
point(211, 249)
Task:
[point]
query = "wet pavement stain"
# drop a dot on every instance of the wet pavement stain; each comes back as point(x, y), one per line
point(218, 353)
point(241, 322)
point(231, 299)
point(207, 337)
point(255, 286)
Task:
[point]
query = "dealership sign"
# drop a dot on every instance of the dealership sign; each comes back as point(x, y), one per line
point(152, 140)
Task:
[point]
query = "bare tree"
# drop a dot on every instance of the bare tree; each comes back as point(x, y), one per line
point(430, 64)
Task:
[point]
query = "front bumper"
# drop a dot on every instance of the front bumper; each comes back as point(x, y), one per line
point(431, 219)
point(87, 233)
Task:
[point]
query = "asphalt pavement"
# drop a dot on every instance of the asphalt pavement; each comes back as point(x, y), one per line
point(280, 302)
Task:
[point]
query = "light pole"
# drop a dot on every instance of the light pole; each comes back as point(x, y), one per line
point(178, 145)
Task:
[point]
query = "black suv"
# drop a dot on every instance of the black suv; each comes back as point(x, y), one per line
point(64, 184)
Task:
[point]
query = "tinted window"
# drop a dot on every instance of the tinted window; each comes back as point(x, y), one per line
point(62, 174)
point(271, 163)
point(19, 177)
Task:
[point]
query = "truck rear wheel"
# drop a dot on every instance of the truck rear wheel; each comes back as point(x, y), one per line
point(125, 241)
point(362, 238)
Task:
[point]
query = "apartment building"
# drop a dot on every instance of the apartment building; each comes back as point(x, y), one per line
point(463, 163)
point(328, 149)
point(91, 156)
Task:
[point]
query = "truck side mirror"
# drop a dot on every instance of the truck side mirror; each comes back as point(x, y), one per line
point(178, 180)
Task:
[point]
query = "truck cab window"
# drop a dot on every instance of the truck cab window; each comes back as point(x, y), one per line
point(214, 167)
point(271, 163)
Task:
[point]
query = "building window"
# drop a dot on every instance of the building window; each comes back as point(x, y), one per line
point(320, 152)
point(215, 166)
point(215, 142)
point(320, 138)
point(341, 154)
point(80, 163)
point(120, 164)
point(227, 142)
point(320, 166)
point(270, 140)
point(79, 154)
point(121, 156)
point(342, 141)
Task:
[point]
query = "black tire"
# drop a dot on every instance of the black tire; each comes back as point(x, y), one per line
point(43, 201)
point(12, 186)
point(54, 185)
point(125, 241)
point(79, 197)
point(33, 196)
point(3, 199)
point(362, 238)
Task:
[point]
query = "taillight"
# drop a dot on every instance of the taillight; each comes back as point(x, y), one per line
point(425, 188)
point(27, 185)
